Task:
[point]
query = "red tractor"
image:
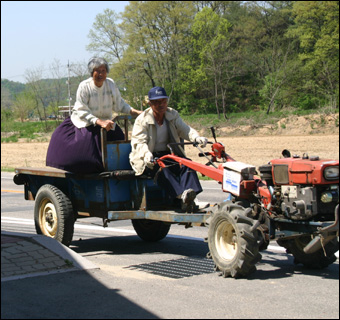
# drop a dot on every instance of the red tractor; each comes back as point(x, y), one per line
point(293, 200)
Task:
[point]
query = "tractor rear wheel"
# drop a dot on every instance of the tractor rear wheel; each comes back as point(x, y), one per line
point(232, 241)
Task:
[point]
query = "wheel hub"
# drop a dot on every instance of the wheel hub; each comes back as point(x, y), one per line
point(226, 241)
point(48, 219)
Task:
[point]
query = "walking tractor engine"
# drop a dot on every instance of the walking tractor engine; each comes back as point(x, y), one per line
point(303, 207)
point(302, 188)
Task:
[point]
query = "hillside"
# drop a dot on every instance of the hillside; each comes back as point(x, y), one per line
point(315, 124)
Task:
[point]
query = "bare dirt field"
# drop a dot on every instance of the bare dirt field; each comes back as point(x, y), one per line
point(254, 150)
point(315, 135)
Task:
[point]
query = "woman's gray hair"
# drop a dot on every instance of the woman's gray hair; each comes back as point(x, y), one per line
point(97, 62)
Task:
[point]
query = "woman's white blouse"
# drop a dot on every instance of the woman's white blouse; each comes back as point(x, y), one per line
point(93, 102)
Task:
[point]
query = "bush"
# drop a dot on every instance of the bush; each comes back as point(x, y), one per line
point(28, 130)
point(307, 102)
point(12, 138)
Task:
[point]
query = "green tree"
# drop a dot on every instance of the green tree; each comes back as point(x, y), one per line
point(23, 105)
point(265, 48)
point(212, 46)
point(6, 103)
point(106, 36)
point(317, 28)
point(224, 55)
point(37, 88)
point(155, 34)
point(146, 46)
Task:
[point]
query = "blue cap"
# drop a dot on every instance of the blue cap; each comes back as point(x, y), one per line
point(157, 93)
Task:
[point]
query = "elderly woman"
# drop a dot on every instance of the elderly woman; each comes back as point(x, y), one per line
point(153, 130)
point(75, 144)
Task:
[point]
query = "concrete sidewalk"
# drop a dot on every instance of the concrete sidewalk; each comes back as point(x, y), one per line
point(29, 255)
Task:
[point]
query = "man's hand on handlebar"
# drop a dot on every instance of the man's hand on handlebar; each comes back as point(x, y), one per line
point(149, 160)
point(202, 141)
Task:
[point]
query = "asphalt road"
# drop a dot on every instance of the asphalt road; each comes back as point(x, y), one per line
point(170, 278)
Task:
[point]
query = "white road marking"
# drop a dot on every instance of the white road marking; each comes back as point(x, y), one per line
point(13, 220)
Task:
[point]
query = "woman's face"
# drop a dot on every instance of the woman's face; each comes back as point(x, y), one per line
point(99, 75)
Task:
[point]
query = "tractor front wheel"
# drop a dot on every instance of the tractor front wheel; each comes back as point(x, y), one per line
point(232, 241)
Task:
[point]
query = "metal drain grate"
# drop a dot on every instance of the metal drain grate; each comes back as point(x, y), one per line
point(178, 268)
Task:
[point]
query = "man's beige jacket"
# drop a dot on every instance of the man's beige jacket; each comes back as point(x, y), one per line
point(144, 135)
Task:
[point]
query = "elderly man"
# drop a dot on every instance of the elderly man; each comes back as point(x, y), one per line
point(153, 130)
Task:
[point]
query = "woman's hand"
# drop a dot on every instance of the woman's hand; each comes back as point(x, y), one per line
point(106, 124)
point(135, 113)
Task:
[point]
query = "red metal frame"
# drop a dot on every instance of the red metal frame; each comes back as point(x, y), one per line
point(213, 173)
point(217, 151)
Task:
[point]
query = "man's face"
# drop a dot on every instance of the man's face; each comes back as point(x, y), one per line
point(159, 106)
point(99, 75)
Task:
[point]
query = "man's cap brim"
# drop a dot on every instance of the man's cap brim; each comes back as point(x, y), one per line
point(161, 97)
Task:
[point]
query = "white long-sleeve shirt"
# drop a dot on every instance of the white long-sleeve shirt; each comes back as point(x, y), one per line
point(97, 103)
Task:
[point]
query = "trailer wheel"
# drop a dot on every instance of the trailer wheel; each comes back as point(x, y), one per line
point(232, 241)
point(315, 260)
point(150, 230)
point(53, 214)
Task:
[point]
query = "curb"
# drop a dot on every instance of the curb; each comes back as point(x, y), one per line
point(75, 261)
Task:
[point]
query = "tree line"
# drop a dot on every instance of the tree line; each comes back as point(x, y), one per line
point(40, 98)
point(223, 56)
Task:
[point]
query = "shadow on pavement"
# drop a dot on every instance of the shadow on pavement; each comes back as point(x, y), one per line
point(120, 245)
point(72, 295)
point(282, 266)
point(78, 294)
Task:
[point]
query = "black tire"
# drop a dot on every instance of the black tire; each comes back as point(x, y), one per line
point(232, 241)
point(315, 260)
point(150, 230)
point(53, 214)
point(263, 237)
point(262, 229)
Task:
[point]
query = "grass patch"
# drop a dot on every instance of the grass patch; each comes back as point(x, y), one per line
point(7, 169)
point(11, 138)
point(12, 131)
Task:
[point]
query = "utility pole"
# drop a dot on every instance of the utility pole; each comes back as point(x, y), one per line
point(69, 90)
